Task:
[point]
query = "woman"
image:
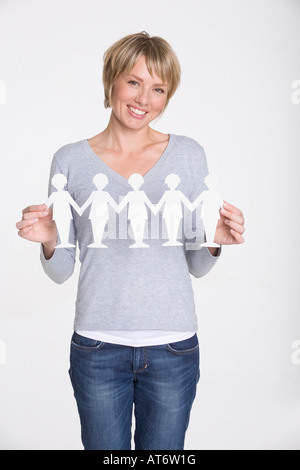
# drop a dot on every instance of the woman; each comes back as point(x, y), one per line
point(134, 339)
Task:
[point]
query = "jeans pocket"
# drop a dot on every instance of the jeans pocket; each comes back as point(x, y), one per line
point(83, 343)
point(185, 346)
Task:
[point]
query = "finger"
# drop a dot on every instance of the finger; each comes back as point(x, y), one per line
point(35, 215)
point(235, 226)
point(232, 208)
point(26, 223)
point(22, 233)
point(35, 208)
point(239, 219)
point(238, 237)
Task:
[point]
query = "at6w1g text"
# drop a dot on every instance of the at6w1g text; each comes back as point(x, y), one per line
point(160, 459)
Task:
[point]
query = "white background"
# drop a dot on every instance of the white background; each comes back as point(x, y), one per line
point(239, 61)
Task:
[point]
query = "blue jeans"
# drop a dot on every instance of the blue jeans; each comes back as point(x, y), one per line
point(160, 381)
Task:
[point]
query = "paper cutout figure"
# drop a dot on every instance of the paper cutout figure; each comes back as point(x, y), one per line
point(137, 201)
point(98, 216)
point(173, 213)
point(210, 214)
point(62, 214)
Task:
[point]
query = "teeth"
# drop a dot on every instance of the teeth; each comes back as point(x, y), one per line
point(136, 111)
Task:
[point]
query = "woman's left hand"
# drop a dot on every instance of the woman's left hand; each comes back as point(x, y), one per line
point(230, 227)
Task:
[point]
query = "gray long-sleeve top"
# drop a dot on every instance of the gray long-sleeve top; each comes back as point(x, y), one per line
point(123, 288)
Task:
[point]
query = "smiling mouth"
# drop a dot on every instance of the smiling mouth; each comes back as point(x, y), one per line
point(136, 111)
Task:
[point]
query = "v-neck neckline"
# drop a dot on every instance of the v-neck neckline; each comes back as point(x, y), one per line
point(121, 178)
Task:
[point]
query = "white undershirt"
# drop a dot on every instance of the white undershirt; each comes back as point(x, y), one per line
point(137, 338)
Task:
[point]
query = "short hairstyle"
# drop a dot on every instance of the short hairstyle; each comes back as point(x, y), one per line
point(122, 56)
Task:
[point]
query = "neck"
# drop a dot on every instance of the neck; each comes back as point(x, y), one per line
point(125, 140)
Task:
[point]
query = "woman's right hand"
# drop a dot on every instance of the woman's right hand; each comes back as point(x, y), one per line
point(37, 226)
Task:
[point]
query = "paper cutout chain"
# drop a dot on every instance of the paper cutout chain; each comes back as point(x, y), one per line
point(137, 202)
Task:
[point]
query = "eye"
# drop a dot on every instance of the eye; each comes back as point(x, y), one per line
point(160, 90)
point(133, 81)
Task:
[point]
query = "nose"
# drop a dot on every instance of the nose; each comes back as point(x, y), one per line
point(142, 96)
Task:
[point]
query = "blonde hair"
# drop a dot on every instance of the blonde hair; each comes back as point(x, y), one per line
point(122, 56)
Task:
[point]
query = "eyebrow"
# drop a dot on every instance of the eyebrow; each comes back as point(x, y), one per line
point(141, 80)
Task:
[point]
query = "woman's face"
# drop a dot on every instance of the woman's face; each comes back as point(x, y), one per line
point(137, 98)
